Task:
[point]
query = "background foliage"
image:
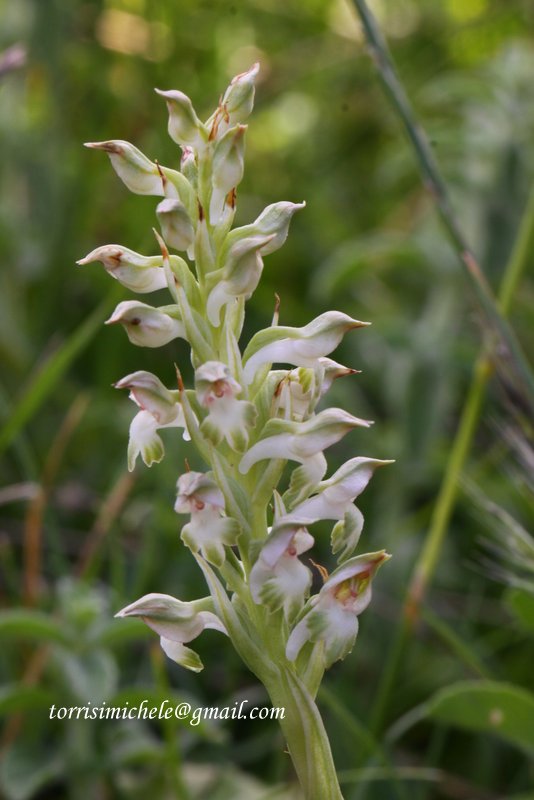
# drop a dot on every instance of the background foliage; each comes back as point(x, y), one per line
point(79, 538)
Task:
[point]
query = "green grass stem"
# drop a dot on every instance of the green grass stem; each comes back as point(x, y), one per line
point(506, 349)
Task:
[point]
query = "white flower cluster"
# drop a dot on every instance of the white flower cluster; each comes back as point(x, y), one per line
point(246, 419)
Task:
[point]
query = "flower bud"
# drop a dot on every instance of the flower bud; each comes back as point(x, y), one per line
point(188, 165)
point(299, 346)
point(176, 224)
point(238, 100)
point(227, 170)
point(147, 326)
point(139, 174)
point(185, 128)
point(138, 273)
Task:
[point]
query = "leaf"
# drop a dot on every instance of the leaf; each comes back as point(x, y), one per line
point(521, 604)
point(118, 632)
point(17, 697)
point(91, 676)
point(24, 772)
point(43, 382)
point(21, 624)
point(488, 706)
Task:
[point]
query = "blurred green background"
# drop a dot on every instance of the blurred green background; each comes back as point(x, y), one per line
point(79, 538)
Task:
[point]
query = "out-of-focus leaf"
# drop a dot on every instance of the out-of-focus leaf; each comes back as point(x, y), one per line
point(21, 624)
point(89, 676)
point(47, 378)
point(17, 697)
point(521, 604)
point(488, 706)
point(24, 772)
point(121, 631)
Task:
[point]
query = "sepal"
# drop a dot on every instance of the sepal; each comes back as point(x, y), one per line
point(176, 224)
point(139, 174)
point(336, 494)
point(298, 346)
point(239, 277)
point(273, 221)
point(184, 128)
point(147, 326)
point(138, 273)
point(227, 170)
point(300, 441)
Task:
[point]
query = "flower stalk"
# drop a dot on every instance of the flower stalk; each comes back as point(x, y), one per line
point(252, 410)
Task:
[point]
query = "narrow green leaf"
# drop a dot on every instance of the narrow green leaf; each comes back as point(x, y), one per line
point(17, 697)
point(521, 604)
point(19, 623)
point(45, 380)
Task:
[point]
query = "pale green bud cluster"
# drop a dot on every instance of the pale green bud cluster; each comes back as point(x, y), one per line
point(248, 521)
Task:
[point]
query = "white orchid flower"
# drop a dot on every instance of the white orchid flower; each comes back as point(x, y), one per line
point(209, 531)
point(239, 277)
point(138, 273)
point(160, 408)
point(147, 326)
point(279, 579)
point(298, 346)
point(331, 618)
point(148, 392)
point(228, 418)
point(336, 495)
point(176, 623)
point(301, 441)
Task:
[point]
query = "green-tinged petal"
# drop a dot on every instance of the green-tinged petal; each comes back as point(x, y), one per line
point(181, 654)
point(144, 440)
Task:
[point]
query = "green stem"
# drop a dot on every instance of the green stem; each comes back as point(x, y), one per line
point(306, 736)
point(506, 347)
point(428, 559)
